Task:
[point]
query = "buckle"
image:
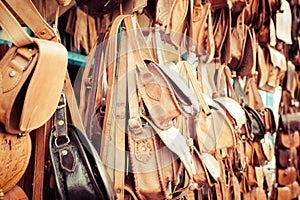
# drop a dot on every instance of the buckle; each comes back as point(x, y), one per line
point(16, 62)
point(135, 124)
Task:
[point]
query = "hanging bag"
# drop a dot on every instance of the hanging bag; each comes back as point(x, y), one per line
point(78, 170)
point(30, 84)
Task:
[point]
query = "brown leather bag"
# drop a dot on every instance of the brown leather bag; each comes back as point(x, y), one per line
point(271, 67)
point(221, 32)
point(177, 22)
point(242, 48)
point(281, 193)
point(202, 31)
point(15, 152)
point(286, 176)
point(256, 193)
point(286, 157)
point(295, 189)
point(288, 140)
point(32, 89)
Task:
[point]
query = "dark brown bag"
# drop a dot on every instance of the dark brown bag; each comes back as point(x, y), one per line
point(286, 176)
point(286, 157)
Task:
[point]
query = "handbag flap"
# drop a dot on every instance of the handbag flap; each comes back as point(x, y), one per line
point(295, 190)
point(291, 121)
point(234, 109)
point(283, 158)
point(288, 140)
point(277, 58)
point(258, 126)
point(45, 86)
point(287, 176)
point(283, 193)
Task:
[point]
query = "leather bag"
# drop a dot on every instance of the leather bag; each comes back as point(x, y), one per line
point(78, 170)
point(242, 48)
point(29, 81)
point(271, 67)
point(15, 152)
point(281, 193)
point(202, 31)
point(177, 22)
point(287, 140)
point(259, 129)
point(286, 157)
point(286, 176)
point(295, 189)
point(291, 121)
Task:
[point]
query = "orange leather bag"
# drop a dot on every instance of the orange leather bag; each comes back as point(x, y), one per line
point(30, 84)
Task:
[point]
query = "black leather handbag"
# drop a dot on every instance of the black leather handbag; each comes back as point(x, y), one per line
point(78, 170)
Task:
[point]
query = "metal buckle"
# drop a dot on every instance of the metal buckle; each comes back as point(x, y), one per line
point(29, 60)
point(63, 144)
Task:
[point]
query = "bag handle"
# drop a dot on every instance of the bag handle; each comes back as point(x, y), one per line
point(196, 86)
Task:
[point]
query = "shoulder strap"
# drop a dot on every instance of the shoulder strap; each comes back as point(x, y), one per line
point(26, 10)
point(12, 27)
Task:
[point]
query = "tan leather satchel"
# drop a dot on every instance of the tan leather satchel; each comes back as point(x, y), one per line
point(15, 152)
point(177, 22)
point(29, 81)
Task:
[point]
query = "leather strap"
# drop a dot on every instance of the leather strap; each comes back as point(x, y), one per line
point(60, 117)
point(197, 88)
point(72, 105)
point(109, 124)
point(33, 19)
point(39, 162)
point(12, 27)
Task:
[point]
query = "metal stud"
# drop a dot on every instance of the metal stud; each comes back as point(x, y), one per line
point(12, 73)
point(64, 152)
point(60, 122)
